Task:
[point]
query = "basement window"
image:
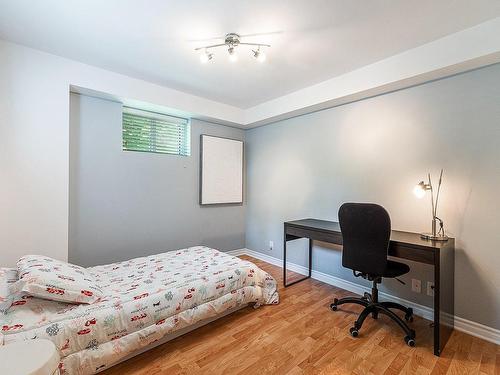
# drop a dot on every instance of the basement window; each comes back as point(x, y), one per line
point(146, 131)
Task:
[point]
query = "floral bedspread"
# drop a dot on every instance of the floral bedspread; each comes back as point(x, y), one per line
point(145, 299)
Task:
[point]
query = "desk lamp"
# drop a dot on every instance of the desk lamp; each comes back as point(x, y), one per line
point(420, 191)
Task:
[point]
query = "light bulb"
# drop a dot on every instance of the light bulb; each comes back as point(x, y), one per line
point(232, 54)
point(233, 57)
point(205, 57)
point(260, 56)
point(419, 190)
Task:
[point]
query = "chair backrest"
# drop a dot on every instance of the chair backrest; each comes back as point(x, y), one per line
point(366, 232)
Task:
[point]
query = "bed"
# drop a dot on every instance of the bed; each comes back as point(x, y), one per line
point(145, 300)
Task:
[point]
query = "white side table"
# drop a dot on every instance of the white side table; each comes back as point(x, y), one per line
point(31, 357)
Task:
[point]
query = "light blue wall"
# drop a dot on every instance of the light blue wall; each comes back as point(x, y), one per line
point(376, 150)
point(128, 204)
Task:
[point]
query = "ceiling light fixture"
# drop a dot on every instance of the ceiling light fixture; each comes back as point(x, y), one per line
point(232, 41)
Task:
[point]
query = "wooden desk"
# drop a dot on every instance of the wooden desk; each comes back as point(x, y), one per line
point(404, 245)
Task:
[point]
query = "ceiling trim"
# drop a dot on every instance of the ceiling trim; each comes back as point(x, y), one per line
point(230, 116)
point(465, 50)
point(456, 53)
point(469, 49)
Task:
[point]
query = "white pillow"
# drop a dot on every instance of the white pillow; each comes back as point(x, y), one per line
point(55, 280)
point(8, 276)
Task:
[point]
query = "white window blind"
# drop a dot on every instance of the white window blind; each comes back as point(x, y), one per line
point(154, 132)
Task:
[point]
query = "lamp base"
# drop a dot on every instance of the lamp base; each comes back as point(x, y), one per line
point(429, 236)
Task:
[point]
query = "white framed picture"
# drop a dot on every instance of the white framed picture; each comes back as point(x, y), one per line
point(221, 170)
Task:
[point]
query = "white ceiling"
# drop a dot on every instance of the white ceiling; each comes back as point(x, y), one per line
point(312, 40)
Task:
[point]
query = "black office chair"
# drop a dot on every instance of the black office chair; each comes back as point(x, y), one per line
point(366, 230)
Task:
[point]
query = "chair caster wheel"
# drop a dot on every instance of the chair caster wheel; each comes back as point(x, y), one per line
point(354, 332)
point(410, 341)
point(333, 306)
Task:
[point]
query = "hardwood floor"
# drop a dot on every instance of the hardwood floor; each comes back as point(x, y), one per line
point(302, 336)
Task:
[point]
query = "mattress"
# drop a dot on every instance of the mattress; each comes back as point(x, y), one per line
point(145, 299)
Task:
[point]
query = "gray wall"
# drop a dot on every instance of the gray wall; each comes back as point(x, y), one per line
point(376, 150)
point(129, 204)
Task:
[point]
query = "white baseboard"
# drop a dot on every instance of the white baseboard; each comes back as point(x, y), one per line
point(478, 330)
point(461, 324)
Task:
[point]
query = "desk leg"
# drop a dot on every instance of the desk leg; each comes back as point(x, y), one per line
point(310, 256)
point(436, 323)
point(284, 258)
point(284, 262)
point(444, 301)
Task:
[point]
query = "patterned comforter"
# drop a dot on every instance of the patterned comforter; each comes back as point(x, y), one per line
point(145, 299)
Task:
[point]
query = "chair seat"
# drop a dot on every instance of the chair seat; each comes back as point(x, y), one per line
point(395, 269)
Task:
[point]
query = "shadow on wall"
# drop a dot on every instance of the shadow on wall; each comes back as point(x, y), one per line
point(228, 240)
point(476, 281)
point(331, 263)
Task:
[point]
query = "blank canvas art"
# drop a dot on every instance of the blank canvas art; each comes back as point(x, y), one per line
point(221, 175)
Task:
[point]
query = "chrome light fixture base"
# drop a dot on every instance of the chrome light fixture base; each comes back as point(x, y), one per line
point(232, 39)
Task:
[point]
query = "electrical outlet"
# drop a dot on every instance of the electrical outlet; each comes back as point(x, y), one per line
point(430, 288)
point(416, 285)
point(271, 245)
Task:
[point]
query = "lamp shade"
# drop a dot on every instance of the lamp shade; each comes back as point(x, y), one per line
point(419, 190)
